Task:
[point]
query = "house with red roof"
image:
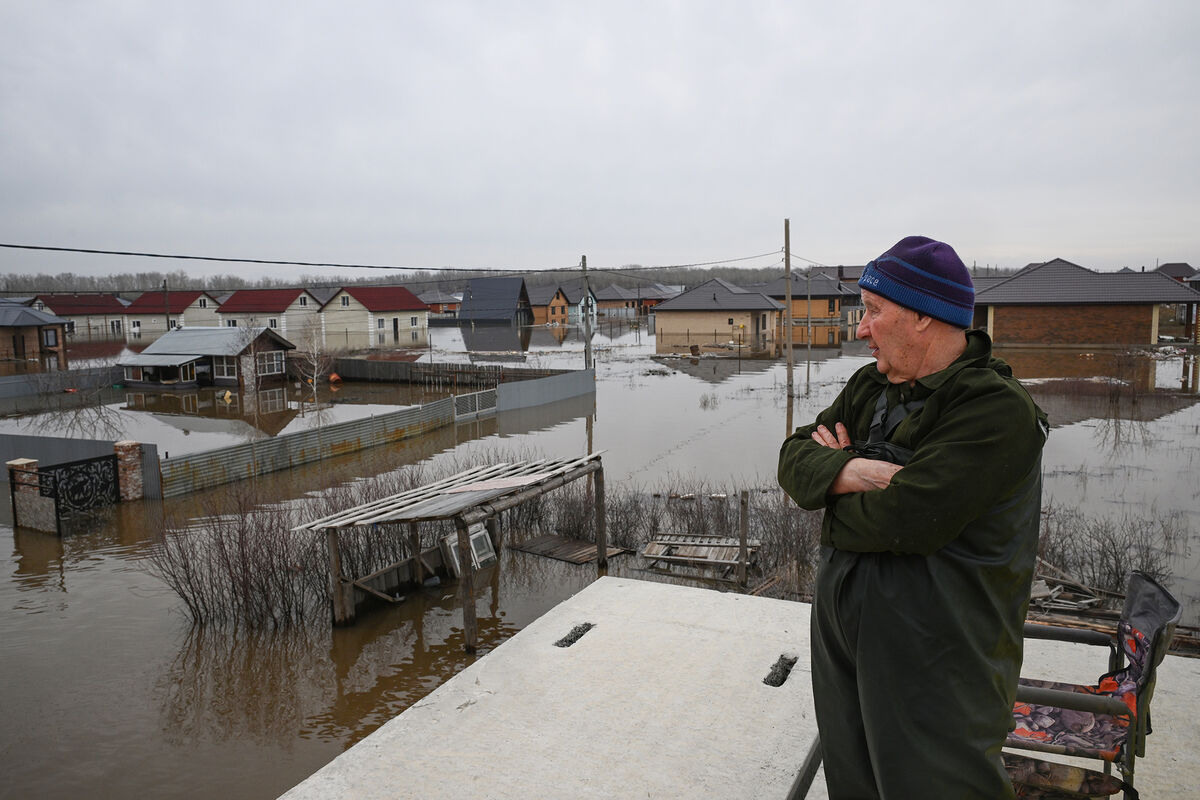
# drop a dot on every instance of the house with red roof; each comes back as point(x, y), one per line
point(154, 313)
point(359, 317)
point(88, 316)
point(292, 313)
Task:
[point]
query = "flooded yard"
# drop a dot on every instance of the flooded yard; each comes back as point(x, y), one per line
point(109, 691)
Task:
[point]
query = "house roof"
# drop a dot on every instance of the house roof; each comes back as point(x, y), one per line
point(541, 295)
point(384, 298)
point(822, 286)
point(212, 341)
point(573, 291)
point(615, 292)
point(438, 296)
point(15, 316)
point(261, 300)
point(68, 305)
point(493, 299)
point(1059, 282)
point(1177, 269)
point(719, 295)
point(175, 302)
point(849, 274)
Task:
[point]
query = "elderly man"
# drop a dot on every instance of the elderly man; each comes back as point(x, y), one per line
point(928, 468)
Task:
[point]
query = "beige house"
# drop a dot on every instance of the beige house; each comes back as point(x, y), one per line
point(88, 316)
point(717, 315)
point(360, 317)
point(292, 313)
point(154, 313)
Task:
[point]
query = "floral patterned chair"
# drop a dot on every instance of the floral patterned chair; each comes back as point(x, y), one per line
point(1108, 720)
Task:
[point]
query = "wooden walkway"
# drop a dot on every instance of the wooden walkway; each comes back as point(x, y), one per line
point(704, 552)
point(575, 551)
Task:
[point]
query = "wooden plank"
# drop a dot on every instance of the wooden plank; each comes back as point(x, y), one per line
point(561, 548)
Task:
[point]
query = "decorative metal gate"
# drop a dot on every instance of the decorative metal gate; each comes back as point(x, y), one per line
point(79, 487)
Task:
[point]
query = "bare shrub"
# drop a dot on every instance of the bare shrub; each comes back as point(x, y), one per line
point(1100, 551)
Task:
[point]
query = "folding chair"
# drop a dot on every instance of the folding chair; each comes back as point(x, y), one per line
point(1109, 720)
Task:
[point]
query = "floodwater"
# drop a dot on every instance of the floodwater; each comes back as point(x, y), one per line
point(109, 692)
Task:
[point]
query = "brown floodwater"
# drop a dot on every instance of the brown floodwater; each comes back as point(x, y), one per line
point(108, 691)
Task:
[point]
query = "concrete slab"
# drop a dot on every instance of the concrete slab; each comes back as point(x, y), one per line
point(664, 698)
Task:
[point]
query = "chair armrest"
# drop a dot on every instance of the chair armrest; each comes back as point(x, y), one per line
point(1076, 701)
point(1061, 634)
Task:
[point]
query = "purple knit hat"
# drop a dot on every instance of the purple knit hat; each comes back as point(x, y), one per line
point(926, 276)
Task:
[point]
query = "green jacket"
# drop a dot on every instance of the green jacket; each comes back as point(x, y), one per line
point(975, 440)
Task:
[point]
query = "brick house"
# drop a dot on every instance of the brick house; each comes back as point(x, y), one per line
point(548, 304)
point(717, 314)
point(27, 334)
point(1060, 303)
point(155, 313)
point(374, 316)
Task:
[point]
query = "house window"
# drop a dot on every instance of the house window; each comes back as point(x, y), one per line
point(833, 306)
point(133, 373)
point(224, 367)
point(231, 323)
point(187, 372)
point(412, 322)
point(136, 325)
point(171, 325)
point(50, 337)
point(379, 323)
point(731, 320)
point(345, 299)
point(273, 322)
point(303, 300)
point(114, 325)
point(271, 363)
point(204, 302)
point(70, 326)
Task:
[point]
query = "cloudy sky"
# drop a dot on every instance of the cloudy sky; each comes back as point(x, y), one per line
point(525, 134)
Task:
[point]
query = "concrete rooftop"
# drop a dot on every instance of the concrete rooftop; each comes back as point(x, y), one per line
point(664, 698)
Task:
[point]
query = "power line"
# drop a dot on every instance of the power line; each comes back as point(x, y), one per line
point(92, 251)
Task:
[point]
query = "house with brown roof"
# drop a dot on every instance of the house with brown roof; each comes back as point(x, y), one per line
point(292, 313)
point(717, 315)
point(1060, 303)
point(88, 316)
point(1179, 270)
point(373, 317)
point(155, 313)
point(549, 304)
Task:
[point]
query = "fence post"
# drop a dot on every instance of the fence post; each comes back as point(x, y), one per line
point(743, 528)
point(129, 470)
point(466, 575)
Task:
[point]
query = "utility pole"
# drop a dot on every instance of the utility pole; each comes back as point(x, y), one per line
point(787, 313)
point(808, 314)
point(587, 318)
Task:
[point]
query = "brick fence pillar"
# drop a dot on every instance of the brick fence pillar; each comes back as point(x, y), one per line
point(30, 509)
point(129, 470)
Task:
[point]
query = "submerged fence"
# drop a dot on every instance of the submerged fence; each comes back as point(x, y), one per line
point(227, 464)
point(197, 471)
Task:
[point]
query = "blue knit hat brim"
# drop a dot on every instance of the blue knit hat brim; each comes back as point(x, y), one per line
point(932, 280)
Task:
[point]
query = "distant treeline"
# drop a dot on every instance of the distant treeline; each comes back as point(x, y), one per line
point(130, 284)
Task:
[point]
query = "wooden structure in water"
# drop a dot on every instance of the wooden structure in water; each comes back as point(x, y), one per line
point(721, 554)
point(468, 498)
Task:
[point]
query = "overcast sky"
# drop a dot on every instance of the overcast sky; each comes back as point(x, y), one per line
point(526, 134)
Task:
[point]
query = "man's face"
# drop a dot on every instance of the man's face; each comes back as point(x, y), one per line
point(890, 331)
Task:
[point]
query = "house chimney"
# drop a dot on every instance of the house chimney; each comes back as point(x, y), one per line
point(841, 273)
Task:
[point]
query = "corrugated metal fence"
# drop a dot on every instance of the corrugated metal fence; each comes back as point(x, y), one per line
point(227, 464)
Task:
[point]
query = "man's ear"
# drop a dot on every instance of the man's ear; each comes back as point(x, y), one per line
point(923, 321)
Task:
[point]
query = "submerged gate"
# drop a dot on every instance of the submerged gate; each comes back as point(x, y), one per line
point(74, 489)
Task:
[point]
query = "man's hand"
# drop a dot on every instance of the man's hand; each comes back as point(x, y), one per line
point(859, 474)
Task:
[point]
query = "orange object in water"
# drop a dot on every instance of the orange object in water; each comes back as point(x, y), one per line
point(334, 377)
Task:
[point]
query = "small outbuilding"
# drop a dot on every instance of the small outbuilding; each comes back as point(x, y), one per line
point(27, 334)
point(189, 357)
